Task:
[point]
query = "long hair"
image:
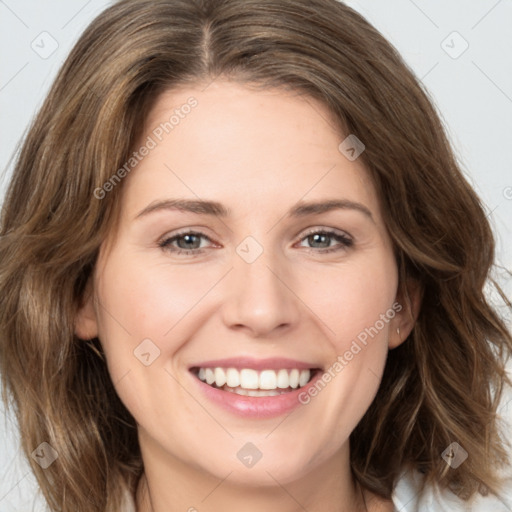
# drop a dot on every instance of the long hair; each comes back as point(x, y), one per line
point(441, 385)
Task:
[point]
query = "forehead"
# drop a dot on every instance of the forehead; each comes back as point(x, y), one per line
point(257, 149)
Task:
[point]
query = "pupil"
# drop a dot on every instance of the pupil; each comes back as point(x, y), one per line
point(188, 239)
point(320, 238)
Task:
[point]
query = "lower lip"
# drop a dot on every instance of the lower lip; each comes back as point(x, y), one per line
point(256, 406)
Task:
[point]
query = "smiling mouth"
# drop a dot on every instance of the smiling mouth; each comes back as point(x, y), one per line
point(250, 382)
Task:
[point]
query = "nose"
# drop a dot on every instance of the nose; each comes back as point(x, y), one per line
point(260, 298)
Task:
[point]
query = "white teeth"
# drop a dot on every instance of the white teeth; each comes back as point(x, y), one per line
point(220, 377)
point(283, 380)
point(210, 376)
point(304, 378)
point(232, 378)
point(294, 378)
point(268, 379)
point(249, 379)
point(271, 392)
point(253, 392)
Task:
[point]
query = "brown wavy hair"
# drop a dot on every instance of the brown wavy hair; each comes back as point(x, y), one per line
point(443, 384)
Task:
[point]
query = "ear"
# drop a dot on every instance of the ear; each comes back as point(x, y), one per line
point(408, 301)
point(86, 324)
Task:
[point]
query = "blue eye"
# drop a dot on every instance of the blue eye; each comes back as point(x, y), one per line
point(323, 237)
point(189, 242)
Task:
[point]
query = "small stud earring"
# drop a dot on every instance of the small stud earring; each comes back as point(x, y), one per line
point(398, 332)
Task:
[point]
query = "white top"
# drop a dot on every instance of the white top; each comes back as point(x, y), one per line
point(405, 498)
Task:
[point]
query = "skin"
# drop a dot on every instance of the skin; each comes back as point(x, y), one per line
point(258, 153)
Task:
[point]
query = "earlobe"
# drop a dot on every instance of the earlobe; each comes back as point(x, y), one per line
point(410, 299)
point(86, 325)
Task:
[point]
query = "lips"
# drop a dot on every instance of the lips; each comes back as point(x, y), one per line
point(256, 403)
point(251, 377)
point(274, 363)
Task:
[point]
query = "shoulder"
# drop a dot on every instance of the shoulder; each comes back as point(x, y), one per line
point(406, 498)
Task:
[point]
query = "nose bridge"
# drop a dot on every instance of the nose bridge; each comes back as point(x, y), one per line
point(258, 297)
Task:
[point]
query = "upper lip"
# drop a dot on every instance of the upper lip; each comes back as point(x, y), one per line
point(272, 363)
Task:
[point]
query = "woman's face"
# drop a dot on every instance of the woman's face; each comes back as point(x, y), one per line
point(269, 277)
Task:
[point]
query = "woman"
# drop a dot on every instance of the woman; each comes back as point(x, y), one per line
point(241, 269)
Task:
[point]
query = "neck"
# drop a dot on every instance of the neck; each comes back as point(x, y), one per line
point(170, 485)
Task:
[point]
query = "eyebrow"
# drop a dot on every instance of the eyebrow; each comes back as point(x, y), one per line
point(204, 207)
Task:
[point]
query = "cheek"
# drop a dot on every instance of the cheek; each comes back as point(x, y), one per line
point(146, 299)
point(148, 308)
point(141, 310)
point(354, 305)
point(352, 301)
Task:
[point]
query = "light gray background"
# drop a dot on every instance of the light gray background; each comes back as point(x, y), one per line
point(472, 89)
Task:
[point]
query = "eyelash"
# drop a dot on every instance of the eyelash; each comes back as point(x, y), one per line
point(345, 241)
